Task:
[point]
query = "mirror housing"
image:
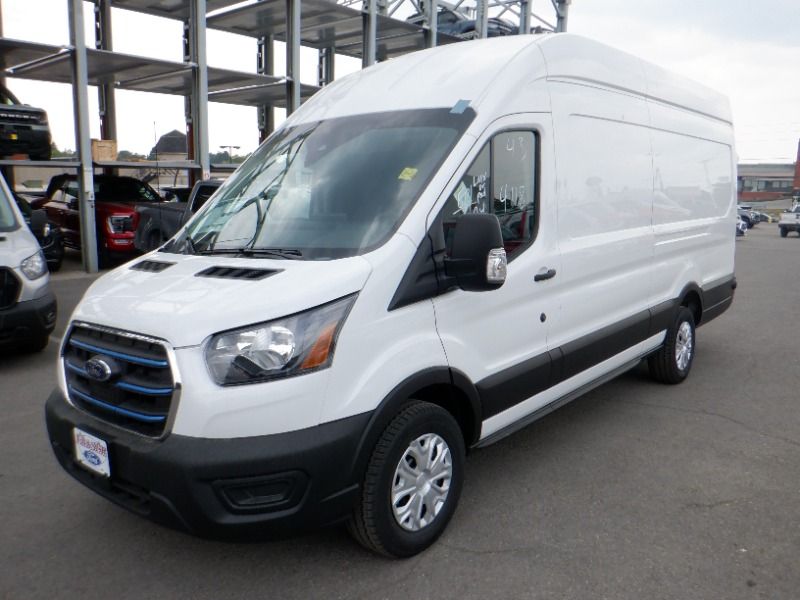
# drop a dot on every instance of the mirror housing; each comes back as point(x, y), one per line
point(478, 258)
point(38, 223)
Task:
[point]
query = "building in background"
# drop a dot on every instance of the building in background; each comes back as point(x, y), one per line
point(765, 181)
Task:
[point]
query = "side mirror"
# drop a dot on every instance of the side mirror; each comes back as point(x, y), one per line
point(38, 223)
point(478, 259)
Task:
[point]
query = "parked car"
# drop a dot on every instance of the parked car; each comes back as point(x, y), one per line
point(27, 304)
point(116, 218)
point(790, 221)
point(457, 24)
point(764, 218)
point(748, 215)
point(741, 227)
point(176, 193)
point(49, 237)
point(158, 223)
point(326, 338)
point(23, 129)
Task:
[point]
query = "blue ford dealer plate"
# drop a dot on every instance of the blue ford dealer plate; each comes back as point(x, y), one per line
point(91, 452)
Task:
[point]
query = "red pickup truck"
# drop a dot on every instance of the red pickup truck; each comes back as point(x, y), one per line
point(116, 218)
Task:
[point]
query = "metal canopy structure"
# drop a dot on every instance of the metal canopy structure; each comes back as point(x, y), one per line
point(325, 24)
point(364, 29)
point(43, 62)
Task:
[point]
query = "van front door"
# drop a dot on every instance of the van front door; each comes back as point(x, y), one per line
point(498, 339)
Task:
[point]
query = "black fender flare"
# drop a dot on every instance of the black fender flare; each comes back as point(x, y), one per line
point(400, 395)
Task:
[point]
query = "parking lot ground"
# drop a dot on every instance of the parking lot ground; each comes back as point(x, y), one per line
point(636, 490)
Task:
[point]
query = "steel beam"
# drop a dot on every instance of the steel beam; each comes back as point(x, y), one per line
point(106, 96)
point(292, 56)
point(197, 39)
point(482, 18)
point(370, 30)
point(525, 16)
point(265, 65)
point(562, 13)
point(431, 12)
point(326, 66)
point(80, 102)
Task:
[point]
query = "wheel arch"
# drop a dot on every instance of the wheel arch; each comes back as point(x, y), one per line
point(442, 386)
point(692, 297)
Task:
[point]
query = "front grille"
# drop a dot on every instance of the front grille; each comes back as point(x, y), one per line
point(20, 117)
point(9, 288)
point(138, 393)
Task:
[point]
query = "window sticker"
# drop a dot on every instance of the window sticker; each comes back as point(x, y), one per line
point(407, 174)
point(463, 198)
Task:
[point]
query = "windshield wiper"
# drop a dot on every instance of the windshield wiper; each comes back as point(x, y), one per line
point(287, 253)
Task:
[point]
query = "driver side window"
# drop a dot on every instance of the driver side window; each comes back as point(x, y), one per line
point(502, 181)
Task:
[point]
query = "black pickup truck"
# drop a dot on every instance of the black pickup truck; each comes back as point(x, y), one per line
point(159, 223)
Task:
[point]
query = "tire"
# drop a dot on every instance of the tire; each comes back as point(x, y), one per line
point(390, 528)
point(784, 232)
point(673, 361)
point(36, 344)
point(747, 222)
point(153, 241)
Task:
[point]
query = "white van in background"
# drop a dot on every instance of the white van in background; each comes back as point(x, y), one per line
point(428, 255)
point(27, 305)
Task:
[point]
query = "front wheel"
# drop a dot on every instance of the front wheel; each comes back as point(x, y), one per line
point(785, 232)
point(412, 484)
point(673, 361)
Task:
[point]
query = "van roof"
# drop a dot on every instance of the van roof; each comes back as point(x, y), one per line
point(492, 71)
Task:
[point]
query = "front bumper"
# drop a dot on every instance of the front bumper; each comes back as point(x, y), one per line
point(241, 488)
point(31, 319)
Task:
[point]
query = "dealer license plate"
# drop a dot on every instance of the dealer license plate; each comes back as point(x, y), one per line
point(91, 452)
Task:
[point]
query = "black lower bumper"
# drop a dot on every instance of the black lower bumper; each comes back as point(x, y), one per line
point(236, 489)
point(28, 321)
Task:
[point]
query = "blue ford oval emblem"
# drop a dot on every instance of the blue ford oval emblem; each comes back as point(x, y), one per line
point(98, 368)
point(91, 457)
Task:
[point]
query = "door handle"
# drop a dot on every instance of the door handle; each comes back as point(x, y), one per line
point(544, 274)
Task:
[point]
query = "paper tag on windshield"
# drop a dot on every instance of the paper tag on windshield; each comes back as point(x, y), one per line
point(407, 174)
point(463, 198)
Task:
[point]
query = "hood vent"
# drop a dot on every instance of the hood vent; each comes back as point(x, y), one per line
point(237, 273)
point(151, 266)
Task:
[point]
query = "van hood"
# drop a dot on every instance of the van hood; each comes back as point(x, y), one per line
point(16, 246)
point(184, 306)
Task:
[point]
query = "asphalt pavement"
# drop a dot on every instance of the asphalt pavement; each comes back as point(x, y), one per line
point(636, 490)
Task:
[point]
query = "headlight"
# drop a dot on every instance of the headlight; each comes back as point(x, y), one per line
point(34, 266)
point(285, 347)
point(120, 223)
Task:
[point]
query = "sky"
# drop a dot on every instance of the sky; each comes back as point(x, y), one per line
point(748, 50)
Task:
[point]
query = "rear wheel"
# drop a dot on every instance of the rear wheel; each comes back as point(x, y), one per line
point(673, 361)
point(412, 484)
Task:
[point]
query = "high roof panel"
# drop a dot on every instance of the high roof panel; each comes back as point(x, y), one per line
point(171, 9)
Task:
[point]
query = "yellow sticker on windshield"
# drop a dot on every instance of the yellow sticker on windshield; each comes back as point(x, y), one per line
point(407, 174)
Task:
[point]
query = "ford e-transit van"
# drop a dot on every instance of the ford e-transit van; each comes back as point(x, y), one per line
point(430, 254)
point(27, 305)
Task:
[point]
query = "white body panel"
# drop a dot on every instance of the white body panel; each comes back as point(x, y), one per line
point(628, 218)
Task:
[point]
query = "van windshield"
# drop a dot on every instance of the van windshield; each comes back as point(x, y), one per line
point(327, 189)
point(7, 220)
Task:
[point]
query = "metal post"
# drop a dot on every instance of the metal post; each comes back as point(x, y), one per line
point(197, 38)
point(431, 11)
point(106, 97)
point(265, 65)
point(325, 70)
point(370, 31)
point(80, 101)
point(2, 73)
point(562, 12)
point(525, 16)
point(481, 18)
point(292, 55)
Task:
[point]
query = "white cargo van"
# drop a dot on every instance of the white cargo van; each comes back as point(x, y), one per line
point(27, 305)
point(428, 255)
